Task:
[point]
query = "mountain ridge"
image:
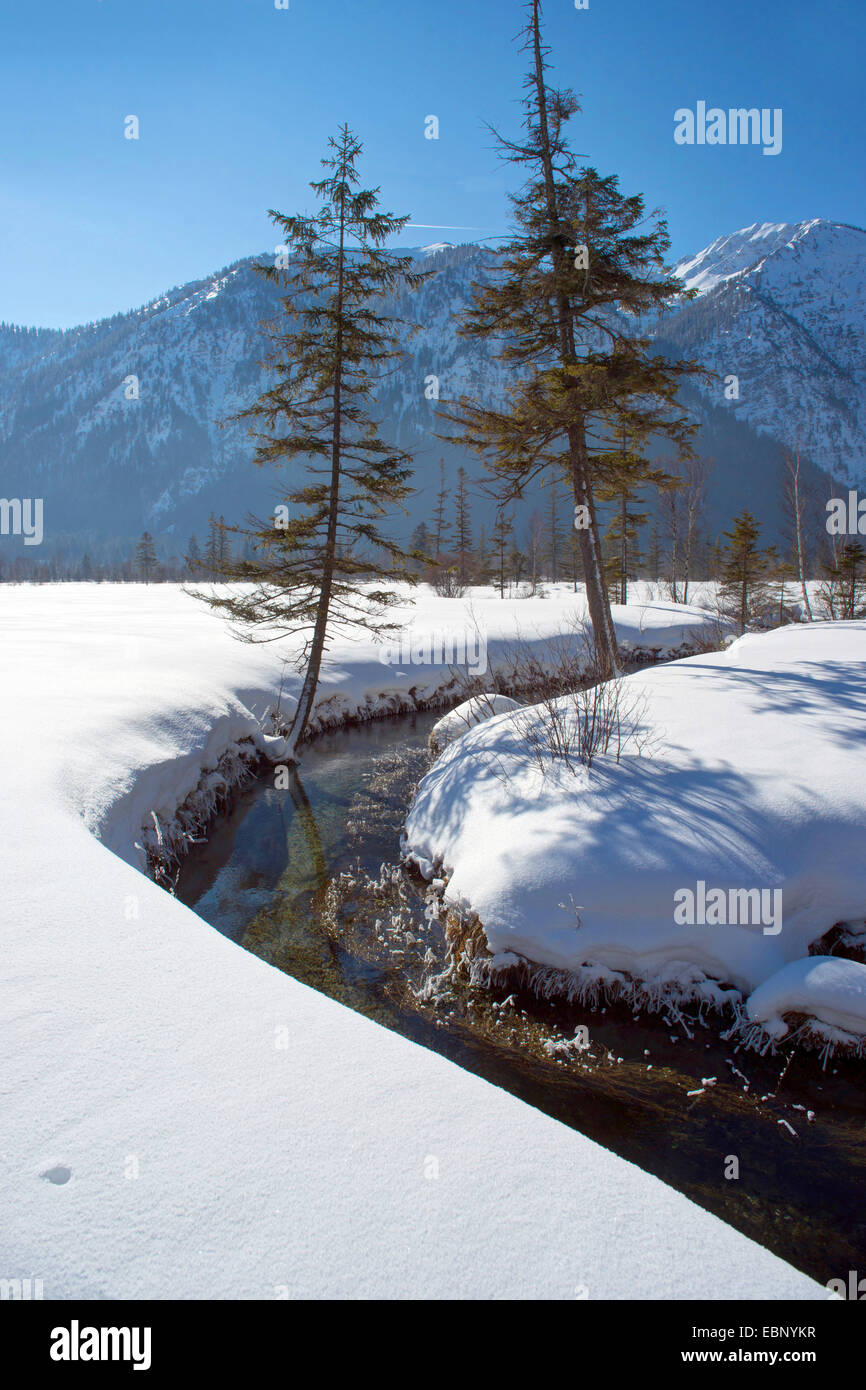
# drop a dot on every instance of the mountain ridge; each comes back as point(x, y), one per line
point(781, 306)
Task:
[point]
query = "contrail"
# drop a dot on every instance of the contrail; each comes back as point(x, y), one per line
point(443, 227)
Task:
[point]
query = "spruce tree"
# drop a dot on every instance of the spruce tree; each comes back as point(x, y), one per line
point(782, 573)
point(441, 524)
point(516, 561)
point(463, 528)
point(503, 530)
point(420, 546)
point(584, 260)
point(145, 557)
point(623, 544)
point(843, 593)
point(744, 568)
point(212, 547)
point(327, 350)
point(193, 557)
point(223, 547)
point(420, 539)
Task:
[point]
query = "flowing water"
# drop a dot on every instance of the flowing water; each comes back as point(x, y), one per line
point(293, 874)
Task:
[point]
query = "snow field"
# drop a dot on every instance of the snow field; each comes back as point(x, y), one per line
point(181, 1120)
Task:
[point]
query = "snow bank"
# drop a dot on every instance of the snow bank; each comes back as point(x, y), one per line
point(751, 789)
point(831, 989)
point(181, 1120)
point(466, 716)
point(182, 691)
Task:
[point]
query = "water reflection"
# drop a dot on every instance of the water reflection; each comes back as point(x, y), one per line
point(273, 854)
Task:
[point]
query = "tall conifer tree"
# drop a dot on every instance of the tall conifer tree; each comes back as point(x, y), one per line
point(327, 351)
point(503, 531)
point(744, 568)
point(145, 557)
point(584, 259)
point(441, 524)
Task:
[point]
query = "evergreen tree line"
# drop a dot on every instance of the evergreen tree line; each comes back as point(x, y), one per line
point(655, 531)
point(143, 564)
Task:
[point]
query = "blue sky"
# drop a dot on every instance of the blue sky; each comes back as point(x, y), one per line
point(236, 100)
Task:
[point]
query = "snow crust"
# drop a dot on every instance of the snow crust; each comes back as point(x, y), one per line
point(181, 1120)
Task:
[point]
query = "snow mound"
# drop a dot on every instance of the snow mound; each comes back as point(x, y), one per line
point(474, 711)
point(748, 794)
point(830, 989)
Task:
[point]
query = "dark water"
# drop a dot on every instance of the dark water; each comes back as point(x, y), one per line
point(288, 874)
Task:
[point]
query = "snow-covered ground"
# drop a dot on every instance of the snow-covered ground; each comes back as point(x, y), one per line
point(750, 789)
point(181, 1120)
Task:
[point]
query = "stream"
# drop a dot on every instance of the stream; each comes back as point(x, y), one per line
point(294, 874)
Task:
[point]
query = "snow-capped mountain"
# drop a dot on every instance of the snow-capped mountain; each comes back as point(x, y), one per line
point(783, 309)
point(122, 425)
point(728, 255)
point(118, 425)
point(435, 247)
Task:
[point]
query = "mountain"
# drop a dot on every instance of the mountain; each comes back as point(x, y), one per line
point(781, 306)
point(728, 255)
point(120, 425)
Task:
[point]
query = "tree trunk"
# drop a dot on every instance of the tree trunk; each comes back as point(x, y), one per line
point(744, 597)
point(687, 555)
point(623, 552)
point(590, 547)
point(798, 528)
point(593, 570)
point(675, 550)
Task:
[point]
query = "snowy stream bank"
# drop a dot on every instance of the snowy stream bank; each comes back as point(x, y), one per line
point(223, 1131)
point(702, 873)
